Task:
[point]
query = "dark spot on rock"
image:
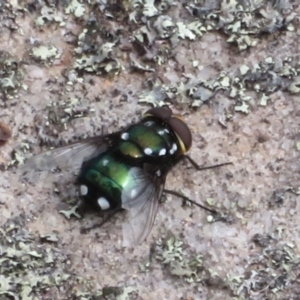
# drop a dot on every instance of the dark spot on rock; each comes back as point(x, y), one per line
point(5, 133)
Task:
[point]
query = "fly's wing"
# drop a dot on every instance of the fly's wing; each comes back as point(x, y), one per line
point(141, 200)
point(70, 156)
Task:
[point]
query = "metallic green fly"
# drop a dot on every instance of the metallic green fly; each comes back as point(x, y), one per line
point(127, 169)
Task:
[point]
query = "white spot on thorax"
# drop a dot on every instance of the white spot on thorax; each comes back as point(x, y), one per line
point(147, 151)
point(162, 152)
point(158, 173)
point(173, 149)
point(149, 123)
point(105, 162)
point(133, 193)
point(161, 132)
point(83, 190)
point(103, 203)
point(125, 136)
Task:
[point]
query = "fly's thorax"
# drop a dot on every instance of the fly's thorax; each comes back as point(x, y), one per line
point(130, 149)
point(150, 138)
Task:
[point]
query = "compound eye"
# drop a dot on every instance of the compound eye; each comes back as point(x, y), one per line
point(182, 131)
point(163, 113)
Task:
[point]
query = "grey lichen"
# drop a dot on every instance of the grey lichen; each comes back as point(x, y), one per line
point(94, 54)
point(45, 53)
point(155, 94)
point(119, 293)
point(190, 31)
point(57, 117)
point(33, 267)
point(11, 75)
point(76, 8)
point(71, 212)
point(153, 32)
point(272, 271)
point(28, 269)
point(245, 87)
point(172, 255)
point(18, 154)
point(49, 15)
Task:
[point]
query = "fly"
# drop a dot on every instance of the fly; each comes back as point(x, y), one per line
point(127, 169)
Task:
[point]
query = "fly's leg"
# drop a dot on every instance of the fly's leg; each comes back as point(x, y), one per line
point(215, 214)
point(212, 211)
point(198, 168)
point(226, 218)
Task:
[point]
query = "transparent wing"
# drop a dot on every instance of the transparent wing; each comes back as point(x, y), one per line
point(141, 200)
point(70, 156)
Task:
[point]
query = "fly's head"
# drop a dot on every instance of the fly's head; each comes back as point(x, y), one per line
point(176, 124)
